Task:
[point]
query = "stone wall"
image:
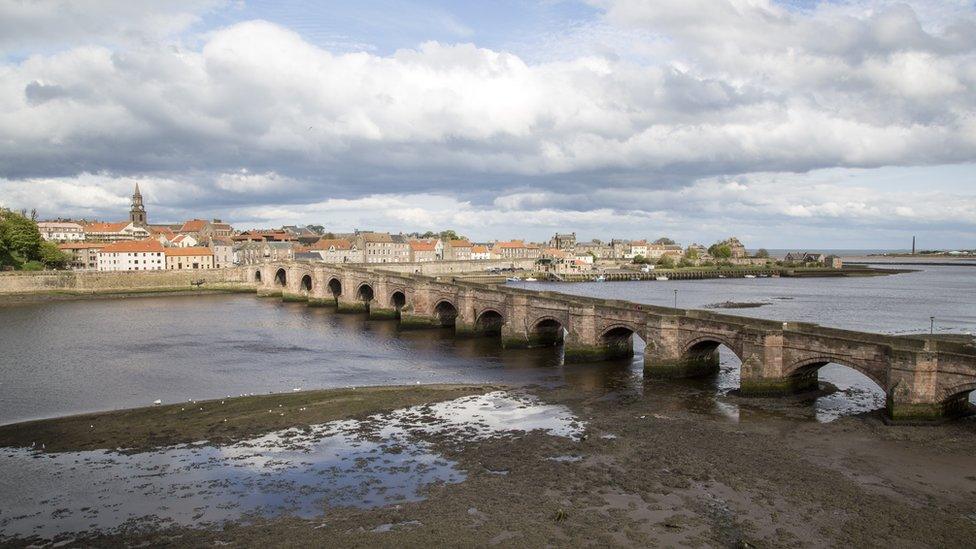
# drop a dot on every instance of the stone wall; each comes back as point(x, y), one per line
point(68, 282)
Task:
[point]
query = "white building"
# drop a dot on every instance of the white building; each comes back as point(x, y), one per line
point(184, 241)
point(479, 251)
point(136, 255)
point(61, 231)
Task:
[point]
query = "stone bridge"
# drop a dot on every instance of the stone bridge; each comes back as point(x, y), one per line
point(924, 378)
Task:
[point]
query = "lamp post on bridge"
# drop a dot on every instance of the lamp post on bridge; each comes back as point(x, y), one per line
point(676, 298)
point(931, 325)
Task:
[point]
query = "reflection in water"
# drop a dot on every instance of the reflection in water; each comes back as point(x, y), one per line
point(381, 460)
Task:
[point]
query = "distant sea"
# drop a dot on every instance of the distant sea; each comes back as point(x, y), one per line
point(776, 252)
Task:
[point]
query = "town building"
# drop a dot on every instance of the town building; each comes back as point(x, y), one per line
point(135, 255)
point(203, 230)
point(183, 241)
point(223, 252)
point(637, 248)
point(83, 255)
point(252, 253)
point(114, 232)
point(480, 251)
point(515, 249)
point(595, 248)
point(256, 235)
point(814, 257)
point(383, 247)
point(657, 251)
point(457, 250)
point(61, 231)
point(738, 249)
point(337, 250)
point(137, 213)
point(422, 251)
point(563, 241)
point(190, 258)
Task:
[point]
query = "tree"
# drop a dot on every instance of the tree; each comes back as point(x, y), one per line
point(449, 234)
point(664, 241)
point(720, 251)
point(762, 252)
point(52, 257)
point(691, 254)
point(317, 229)
point(20, 241)
point(666, 262)
point(639, 259)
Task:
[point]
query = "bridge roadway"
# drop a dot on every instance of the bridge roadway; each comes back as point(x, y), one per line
point(924, 378)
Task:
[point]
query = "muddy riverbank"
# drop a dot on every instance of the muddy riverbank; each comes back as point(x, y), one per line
point(633, 466)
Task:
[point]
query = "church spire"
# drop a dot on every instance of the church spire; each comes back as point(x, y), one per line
point(137, 215)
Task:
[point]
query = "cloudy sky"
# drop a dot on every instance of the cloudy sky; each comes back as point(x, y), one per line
point(788, 123)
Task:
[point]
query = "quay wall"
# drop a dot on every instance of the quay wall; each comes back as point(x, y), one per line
point(87, 283)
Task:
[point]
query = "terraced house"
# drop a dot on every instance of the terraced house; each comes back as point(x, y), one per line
point(337, 250)
point(189, 258)
point(383, 247)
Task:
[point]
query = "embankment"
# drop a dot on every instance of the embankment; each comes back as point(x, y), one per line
point(23, 287)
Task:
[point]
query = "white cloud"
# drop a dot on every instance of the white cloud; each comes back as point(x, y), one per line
point(707, 107)
point(55, 23)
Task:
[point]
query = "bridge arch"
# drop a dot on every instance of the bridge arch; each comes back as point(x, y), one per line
point(618, 339)
point(306, 284)
point(398, 299)
point(445, 313)
point(955, 400)
point(547, 331)
point(706, 346)
point(257, 275)
point(489, 322)
point(281, 277)
point(365, 292)
point(805, 370)
point(335, 288)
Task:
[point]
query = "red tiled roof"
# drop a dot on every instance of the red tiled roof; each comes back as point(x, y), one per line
point(193, 225)
point(190, 250)
point(132, 246)
point(511, 244)
point(422, 246)
point(459, 243)
point(479, 249)
point(98, 227)
point(165, 231)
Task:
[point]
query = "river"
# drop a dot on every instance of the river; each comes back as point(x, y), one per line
point(62, 358)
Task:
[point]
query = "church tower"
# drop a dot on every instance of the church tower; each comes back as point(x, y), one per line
point(137, 215)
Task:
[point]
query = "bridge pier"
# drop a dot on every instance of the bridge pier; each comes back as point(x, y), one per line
point(269, 291)
point(585, 343)
point(665, 356)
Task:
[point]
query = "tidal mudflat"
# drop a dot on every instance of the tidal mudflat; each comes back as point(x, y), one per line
point(478, 466)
